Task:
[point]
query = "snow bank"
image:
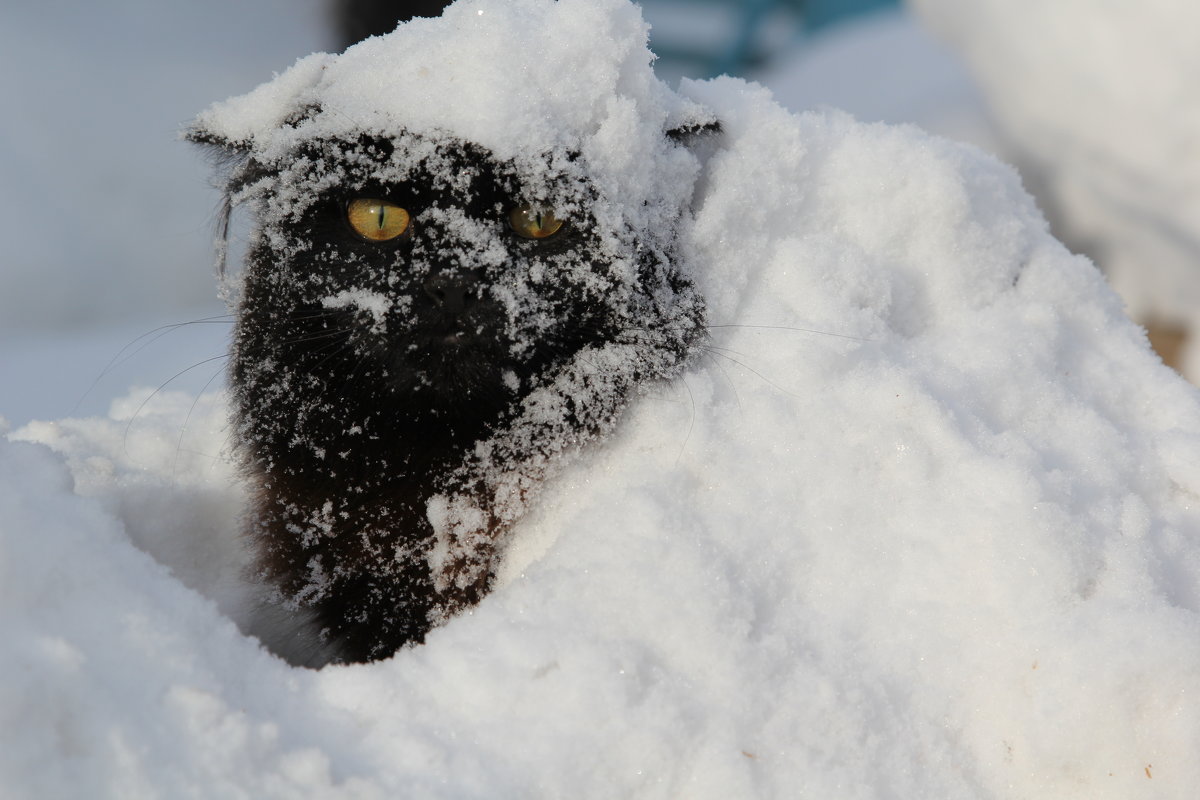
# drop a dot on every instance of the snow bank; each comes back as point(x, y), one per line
point(921, 522)
point(1102, 101)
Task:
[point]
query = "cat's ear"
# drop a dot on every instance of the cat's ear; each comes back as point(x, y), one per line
point(689, 133)
point(234, 167)
point(689, 122)
point(252, 122)
point(213, 131)
point(197, 133)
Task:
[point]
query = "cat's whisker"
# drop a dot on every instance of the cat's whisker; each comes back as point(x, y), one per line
point(310, 314)
point(339, 333)
point(792, 329)
point(724, 350)
point(750, 369)
point(151, 336)
point(335, 352)
point(152, 395)
point(188, 417)
point(732, 386)
point(342, 113)
point(691, 421)
point(362, 359)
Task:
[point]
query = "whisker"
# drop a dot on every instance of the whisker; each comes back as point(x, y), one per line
point(316, 337)
point(764, 378)
point(691, 422)
point(152, 395)
point(332, 355)
point(316, 313)
point(732, 387)
point(793, 329)
point(362, 359)
point(724, 350)
point(187, 419)
point(121, 357)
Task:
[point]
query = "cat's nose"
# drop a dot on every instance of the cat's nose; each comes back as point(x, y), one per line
point(454, 292)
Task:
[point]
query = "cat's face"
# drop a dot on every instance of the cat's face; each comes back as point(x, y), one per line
point(428, 279)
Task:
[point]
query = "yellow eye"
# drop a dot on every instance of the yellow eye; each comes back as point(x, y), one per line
point(533, 223)
point(377, 220)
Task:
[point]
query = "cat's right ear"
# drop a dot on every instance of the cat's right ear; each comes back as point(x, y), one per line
point(197, 133)
point(231, 158)
point(689, 132)
point(232, 166)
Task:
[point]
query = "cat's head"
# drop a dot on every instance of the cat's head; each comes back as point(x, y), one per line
point(450, 272)
point(411, 259)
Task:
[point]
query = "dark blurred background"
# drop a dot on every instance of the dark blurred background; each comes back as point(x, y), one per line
point(697, 38)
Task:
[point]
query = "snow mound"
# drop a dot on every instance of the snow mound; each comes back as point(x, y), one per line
point(923, 521)
point(1101, 101)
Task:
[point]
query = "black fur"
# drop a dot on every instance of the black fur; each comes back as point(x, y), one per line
point(477, 359)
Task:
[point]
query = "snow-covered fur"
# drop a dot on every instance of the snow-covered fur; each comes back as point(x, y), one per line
point(398, 403)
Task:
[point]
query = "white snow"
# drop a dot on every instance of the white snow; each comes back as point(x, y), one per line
point(477, 64)
point(922, 521)
point(373, 304)
point(1101, 105)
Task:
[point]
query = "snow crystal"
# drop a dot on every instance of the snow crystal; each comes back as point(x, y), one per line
point(922, 521)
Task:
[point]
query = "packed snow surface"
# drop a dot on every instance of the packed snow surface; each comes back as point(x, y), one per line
point(921, 521)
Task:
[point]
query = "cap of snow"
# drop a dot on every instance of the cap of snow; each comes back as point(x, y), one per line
point(518, 77)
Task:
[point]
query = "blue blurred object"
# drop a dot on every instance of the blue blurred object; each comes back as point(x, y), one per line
point(820, 13)
point(696, 38)
point(741, 35)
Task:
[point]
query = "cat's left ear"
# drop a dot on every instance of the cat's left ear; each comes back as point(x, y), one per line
point(689, 133)
point(689, 123)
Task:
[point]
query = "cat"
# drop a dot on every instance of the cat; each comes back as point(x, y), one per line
point(425, 331)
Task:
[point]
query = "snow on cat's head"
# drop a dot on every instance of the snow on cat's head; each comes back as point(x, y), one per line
point(508, 75)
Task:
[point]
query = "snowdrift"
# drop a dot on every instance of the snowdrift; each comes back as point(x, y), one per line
point(1099, 103)
point(923, 520)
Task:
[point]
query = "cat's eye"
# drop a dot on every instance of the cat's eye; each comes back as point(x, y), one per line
point(530, 222)
point(377, 220)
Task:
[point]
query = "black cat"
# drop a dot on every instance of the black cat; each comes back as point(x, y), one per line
point(424, 330)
